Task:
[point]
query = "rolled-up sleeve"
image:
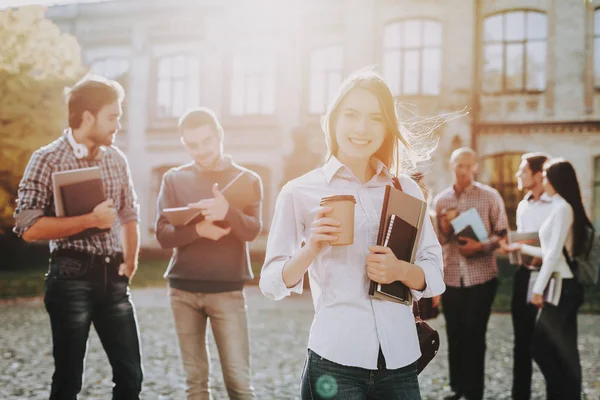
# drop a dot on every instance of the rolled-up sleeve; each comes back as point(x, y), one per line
point(429, 253)
point(34, 194)
point(285, 238)
point(429, 259)
point(130, 207)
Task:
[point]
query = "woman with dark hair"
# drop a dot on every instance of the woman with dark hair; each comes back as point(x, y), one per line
point(359, 347)
point(555, 337)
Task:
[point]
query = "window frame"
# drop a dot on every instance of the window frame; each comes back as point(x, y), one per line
point(504, 43)
point(420, 48)
point(189, 79)
point(261, 78)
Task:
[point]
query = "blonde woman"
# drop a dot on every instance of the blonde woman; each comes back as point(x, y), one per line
point(358, 347)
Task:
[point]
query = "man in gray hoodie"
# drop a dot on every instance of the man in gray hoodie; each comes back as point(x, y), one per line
point(210, 261)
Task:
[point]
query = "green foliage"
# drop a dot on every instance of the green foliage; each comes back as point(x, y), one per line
point(37, 62)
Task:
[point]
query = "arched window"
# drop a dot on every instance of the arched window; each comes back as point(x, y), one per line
point(499, 171)
point(514, 52)
point(412, 57)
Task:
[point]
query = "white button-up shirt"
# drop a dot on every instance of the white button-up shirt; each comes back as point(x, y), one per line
point(531, 214)
point(349, 326)
point(555, 233)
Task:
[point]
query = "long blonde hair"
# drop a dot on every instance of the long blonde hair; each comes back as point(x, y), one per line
point(406, 144)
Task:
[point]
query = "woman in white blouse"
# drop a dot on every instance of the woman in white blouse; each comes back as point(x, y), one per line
point(555, 337)
point(359, 347)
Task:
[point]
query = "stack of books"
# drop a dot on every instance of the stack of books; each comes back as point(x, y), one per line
point(400, 227)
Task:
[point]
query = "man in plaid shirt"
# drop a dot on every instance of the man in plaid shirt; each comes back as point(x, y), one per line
point(88, 277)
point(470, 273)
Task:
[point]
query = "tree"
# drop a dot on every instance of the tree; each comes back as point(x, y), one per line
point(37, 62)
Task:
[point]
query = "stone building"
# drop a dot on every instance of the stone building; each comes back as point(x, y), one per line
point(528, 71)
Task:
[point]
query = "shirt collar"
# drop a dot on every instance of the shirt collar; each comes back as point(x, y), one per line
point(333, 167)
point(543, 198)
point(468, 189)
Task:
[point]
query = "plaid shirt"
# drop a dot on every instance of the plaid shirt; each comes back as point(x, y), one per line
point(479, 268)
point(35, 196)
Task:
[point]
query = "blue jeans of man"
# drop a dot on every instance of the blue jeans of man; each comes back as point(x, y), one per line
point(82, 289)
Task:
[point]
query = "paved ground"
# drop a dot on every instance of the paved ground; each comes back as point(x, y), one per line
point(279, 335)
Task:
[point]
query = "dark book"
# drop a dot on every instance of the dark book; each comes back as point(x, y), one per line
point(400, 238)
point(81, 198)
point(467, 232)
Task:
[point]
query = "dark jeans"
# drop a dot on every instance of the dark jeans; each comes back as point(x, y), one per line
point(523, 318)
point(555, 344)
point(82, 290)
point(323, 379)
point(467, 311)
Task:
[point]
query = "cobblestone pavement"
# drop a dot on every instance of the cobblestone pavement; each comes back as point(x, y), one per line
point(279, 335)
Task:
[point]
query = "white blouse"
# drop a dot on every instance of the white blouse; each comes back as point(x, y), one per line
point(349, 326)
point(555, 233)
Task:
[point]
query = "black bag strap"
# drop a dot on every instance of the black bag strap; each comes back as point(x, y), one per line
point(416, 312)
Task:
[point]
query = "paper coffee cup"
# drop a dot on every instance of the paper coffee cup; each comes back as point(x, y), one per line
point(343, 211)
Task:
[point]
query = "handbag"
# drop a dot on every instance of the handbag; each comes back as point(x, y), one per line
point(429, 338)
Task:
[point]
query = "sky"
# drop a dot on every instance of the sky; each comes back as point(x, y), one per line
point(18, 3)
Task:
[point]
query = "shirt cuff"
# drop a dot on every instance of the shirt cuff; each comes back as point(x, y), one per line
point(272, 285)
point(127, 215)
point(25, 220)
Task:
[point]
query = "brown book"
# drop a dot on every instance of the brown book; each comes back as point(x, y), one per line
point(400, 226)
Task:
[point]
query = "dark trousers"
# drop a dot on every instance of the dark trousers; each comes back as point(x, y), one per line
point(555, 344)
point(467, 311)
point(523, 318)
point(81, 290)
point(323, 379)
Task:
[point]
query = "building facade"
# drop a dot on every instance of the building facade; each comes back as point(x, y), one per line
point(527, 71)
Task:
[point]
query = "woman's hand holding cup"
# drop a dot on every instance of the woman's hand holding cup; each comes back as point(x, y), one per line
point(323, 230)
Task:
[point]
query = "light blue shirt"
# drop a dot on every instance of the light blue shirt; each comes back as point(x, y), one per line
point(349, 325)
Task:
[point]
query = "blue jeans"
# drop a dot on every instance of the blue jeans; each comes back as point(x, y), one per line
point(323, 380)
point(83, 290)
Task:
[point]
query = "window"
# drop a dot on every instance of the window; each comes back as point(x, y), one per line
point(178, 86)
point(412, 57)
point(111, 68)
point(325, 77)
point(597, 48)
point(499, 171)
point(253, 85)
point(514, 52)
point(596, 195)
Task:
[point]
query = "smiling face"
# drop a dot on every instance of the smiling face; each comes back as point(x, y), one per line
point(359, 127)
point(203, 144)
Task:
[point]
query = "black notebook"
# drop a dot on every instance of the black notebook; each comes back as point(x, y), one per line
point(81, 198)
point(400, 238)
point(467, 232)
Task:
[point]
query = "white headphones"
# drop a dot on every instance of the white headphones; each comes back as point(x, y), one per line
point(80, 150)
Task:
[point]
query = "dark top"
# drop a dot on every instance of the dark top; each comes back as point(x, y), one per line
point(199, 264)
